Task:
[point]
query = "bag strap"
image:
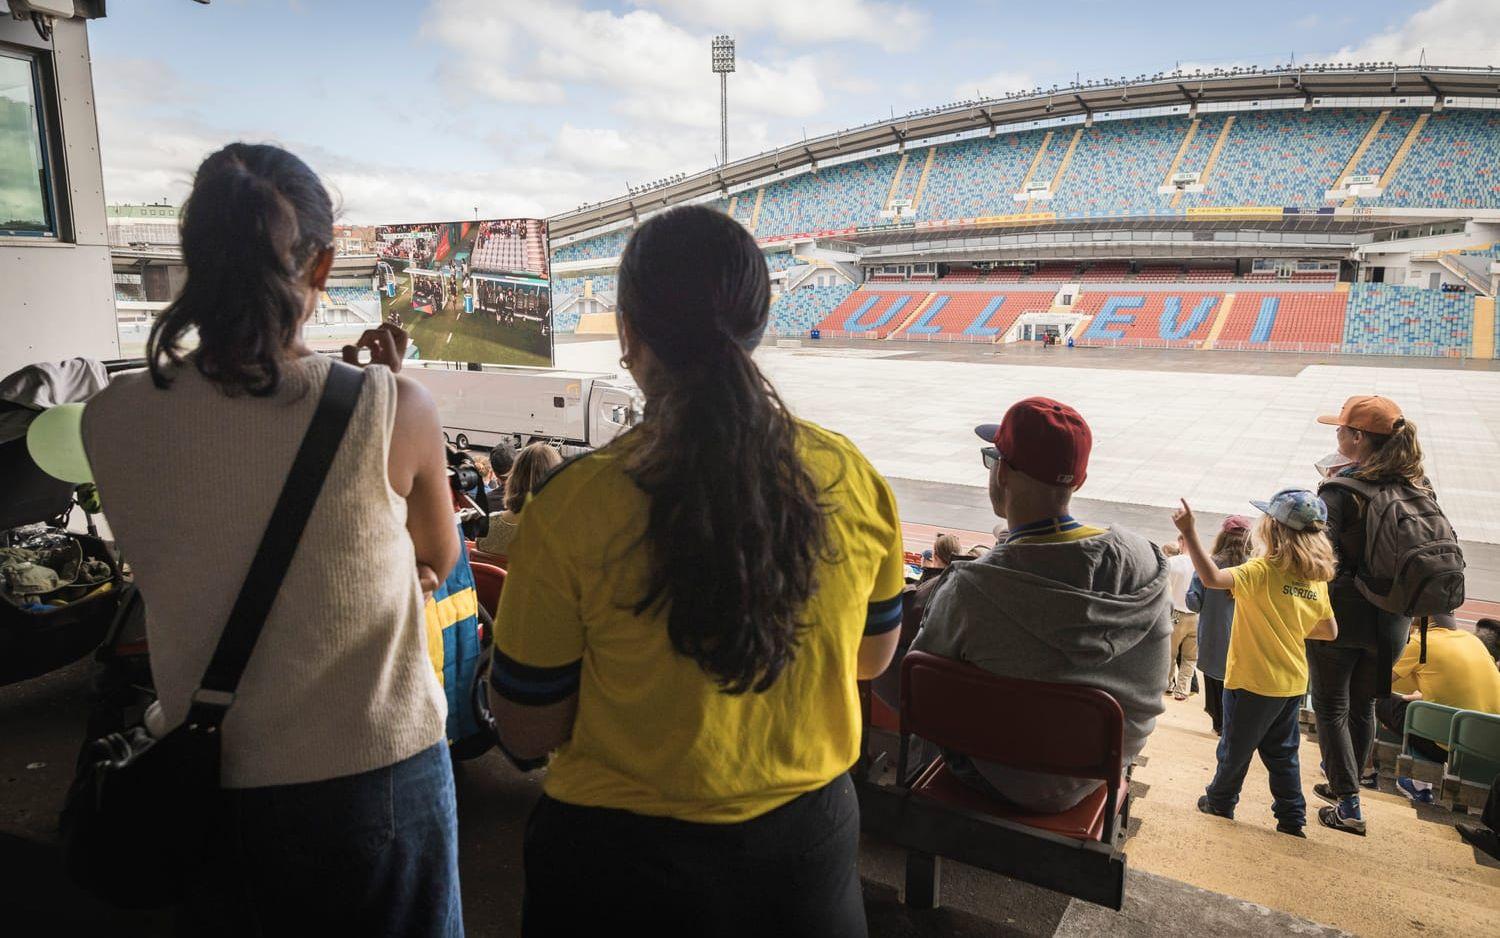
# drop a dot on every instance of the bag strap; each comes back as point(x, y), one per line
point(278, 545)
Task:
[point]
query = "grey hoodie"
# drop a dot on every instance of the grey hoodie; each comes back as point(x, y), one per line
point(1095, 611)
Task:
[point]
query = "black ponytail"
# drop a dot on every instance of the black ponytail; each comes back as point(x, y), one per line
point(735, 528)
point(256, 218)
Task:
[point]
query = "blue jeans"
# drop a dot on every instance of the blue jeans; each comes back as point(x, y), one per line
point(1267, 725)
point(368, 854)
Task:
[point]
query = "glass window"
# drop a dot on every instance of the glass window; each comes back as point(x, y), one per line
point(25, 208)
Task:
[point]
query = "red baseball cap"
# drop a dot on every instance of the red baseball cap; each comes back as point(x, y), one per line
point(1047, 440)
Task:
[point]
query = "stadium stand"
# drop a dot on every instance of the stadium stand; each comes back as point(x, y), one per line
point(798, 311)
point(1055, 272)
point(835, 197)
point(353, 295)
point(1106, 272)
point(781, 260)
point(1386, 142)
point(1159, 273)
point(1455, 162)
point(1209, 274)
point(870, 314)
point(1389, 319)
point(1285, 321)
point(599, 246)
point(1282, 157)
point(976, 177)
point(1153, 320)
point(1117, 168)
point(977, 315)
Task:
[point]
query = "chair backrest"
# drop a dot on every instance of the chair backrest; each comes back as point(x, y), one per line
point(1429, 721)
point(1059, 729)
point(489, 580)
point(1475, 746)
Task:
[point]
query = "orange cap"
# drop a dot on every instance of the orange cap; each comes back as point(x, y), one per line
point(1368, 412)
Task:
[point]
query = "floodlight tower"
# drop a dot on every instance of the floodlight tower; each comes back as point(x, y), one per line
point(723, 64)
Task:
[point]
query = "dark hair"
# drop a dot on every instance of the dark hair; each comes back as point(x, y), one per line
point(502, 457)
point(735, 527)
point(257, 216)
point(1488, 631)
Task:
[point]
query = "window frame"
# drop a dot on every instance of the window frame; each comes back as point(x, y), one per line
point(54, 166)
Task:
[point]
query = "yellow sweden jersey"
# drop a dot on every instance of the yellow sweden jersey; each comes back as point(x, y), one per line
point(1272, 615)
point(654, 734)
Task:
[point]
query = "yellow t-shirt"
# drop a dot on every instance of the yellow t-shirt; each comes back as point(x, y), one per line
point(654, 734)
point(1459, 671)
point(1272, 615)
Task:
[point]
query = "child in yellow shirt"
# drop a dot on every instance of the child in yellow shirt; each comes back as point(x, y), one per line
point(1280, 599)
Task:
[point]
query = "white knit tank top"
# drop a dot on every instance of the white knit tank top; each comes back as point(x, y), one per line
point(340, 681)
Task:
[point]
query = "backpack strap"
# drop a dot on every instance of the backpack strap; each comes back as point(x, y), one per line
point(1351, 484)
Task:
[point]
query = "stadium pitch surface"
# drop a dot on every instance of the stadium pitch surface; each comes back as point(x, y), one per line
point(1215, 428)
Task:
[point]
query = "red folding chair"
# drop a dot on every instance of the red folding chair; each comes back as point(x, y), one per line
point(1058, 729)
point(489, 580)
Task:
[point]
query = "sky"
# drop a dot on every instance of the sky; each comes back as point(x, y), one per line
point(421, 110)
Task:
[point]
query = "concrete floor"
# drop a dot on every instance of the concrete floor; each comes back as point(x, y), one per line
point(43, 720)
point(1217, 428)
point(1189, 873)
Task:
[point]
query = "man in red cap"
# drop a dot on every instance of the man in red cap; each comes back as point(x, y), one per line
point(1056, 600)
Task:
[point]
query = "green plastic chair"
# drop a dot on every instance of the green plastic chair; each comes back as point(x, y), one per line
point(1473, 758)
point(1429, 721)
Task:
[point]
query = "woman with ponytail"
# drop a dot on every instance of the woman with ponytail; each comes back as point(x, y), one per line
point(686, 615)
point(338, 809)
point(1377, 445)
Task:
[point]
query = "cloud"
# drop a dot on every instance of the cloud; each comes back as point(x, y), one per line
point(994, 85)
point(892, 26)
point(1451, 32)
point(645, 66)
point(159, 164)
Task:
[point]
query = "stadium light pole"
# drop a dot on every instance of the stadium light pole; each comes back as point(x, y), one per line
point(723, 64)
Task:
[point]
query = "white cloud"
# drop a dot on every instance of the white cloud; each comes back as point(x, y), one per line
point(1452, 32)
point(649, 67)
point(994, 85)
point(159, 164)
point(892, 26)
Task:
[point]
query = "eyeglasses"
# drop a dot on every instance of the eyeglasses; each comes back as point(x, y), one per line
point(990, 456)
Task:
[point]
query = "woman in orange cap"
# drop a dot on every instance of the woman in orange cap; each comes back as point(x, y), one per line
point(1348, 674)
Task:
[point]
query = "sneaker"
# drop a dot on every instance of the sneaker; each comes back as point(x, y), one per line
point(1325, 791)
point(1371, 781)
point(1294, 829)
point(1340, 819)
point(1417, 792)
point(1207, 808)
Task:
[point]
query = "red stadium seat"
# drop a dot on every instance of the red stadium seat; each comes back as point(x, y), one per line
point(1058, 729)
point(489, 581)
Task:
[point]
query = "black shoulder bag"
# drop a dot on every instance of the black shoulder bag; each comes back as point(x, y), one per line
point(139, 812)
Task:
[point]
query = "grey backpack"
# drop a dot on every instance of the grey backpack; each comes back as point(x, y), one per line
point(1412, 563)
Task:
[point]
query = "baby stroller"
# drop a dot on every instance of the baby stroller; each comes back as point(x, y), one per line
point(59, 590)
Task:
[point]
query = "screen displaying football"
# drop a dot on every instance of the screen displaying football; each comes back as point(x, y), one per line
point(469, 291)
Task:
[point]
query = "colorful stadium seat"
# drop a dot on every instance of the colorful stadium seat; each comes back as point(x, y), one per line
point(1390, 319)
point(1147, 319)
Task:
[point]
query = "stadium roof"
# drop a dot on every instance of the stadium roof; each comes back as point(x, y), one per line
point(1306, 83)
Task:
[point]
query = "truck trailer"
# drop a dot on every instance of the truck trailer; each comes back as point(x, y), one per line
point(574, 410)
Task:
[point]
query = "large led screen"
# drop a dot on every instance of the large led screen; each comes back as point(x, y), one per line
point(469, 291)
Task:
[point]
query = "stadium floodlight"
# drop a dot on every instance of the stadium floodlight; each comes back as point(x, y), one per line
point(723, 63)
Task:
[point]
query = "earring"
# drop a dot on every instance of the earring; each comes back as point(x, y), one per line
point(625, 362)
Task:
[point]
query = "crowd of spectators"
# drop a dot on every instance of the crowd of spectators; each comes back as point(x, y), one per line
point(687, 611)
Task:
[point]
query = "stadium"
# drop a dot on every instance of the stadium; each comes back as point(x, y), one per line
point(1199, 261)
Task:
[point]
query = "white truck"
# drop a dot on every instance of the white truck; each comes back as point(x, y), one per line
point(573, 410)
